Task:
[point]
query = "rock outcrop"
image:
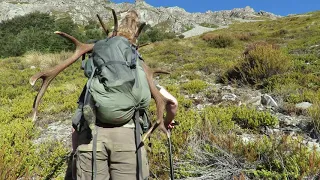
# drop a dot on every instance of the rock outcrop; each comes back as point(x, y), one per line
point(173, 19)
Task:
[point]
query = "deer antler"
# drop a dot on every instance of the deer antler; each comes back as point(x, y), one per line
point(103, 26)
point(48, 75)
point(160, 100)
point(139, 31)
point(115, 20)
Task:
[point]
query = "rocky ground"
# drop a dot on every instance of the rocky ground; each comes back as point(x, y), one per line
point(198, 30)
point(292, 124)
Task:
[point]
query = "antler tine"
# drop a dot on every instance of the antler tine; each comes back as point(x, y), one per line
point(142, 45)
point(115, 29)
point(48, 75)
point(160, 100)
point(139, 31)
point(103, 26)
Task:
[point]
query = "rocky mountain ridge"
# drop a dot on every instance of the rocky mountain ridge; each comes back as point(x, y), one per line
point(174, 19)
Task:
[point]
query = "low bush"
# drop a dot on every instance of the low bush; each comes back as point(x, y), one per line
point(152, 34)
point(194, 86)
point(209, 25)
point(217, 40)
point(243, 36)
point(253, 119)
point(220, 145)
point(224, 118)
point(284, 158)
point(35, 32)
point(260, 62)
point(314, 113)
point(22, 158)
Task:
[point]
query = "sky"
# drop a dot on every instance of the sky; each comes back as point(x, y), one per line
point(278, 7)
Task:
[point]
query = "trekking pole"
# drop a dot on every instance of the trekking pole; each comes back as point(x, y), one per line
point(170, 155)
point(170, 152)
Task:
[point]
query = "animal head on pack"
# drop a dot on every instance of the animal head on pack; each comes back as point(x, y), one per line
point(128, 28)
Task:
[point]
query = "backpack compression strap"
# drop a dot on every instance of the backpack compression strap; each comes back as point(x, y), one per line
point(134, 63)
point(139, 144)
point(112, 62)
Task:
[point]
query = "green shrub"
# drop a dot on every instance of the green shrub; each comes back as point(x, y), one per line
point(188, 27)
point(284, 158)
point(22, 158)
point(217, 119)
point(40, 20)
point(209, 25)
point(181, 36)
point(272, 157)
point(259, 63)
point(280, 32)
point(218, 41)
point(308, 81)
point(194, 86)
point(253, 119)
point(153, 34)
point(314, 113)
point(35, 32)
point(243, 36)
point(294, 88)
point(223, 118)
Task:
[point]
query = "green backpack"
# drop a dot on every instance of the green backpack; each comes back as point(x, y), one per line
point(117, 82)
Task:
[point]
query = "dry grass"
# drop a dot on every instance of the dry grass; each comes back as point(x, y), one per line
point(43, 60)
point(218, 40)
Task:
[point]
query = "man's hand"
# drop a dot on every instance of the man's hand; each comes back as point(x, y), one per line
point(171, 125)
point(171, 109)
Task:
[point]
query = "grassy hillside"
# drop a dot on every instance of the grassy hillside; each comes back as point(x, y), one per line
point(278, 57)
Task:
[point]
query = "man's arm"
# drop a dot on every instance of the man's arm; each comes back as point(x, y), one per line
point(171, 106)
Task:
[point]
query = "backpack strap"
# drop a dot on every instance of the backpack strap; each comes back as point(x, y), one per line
point(112, 62)
point(139, 143)
point(134, 63)
point(134, 57)
point(94, 152)
point(90, 117)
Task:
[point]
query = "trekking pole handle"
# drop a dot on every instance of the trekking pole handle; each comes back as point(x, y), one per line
point(175, 123)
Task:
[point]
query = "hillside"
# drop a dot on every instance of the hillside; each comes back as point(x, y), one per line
point(173, 19)
point(249, 103)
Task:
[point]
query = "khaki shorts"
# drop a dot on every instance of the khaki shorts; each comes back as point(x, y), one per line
point(116, 155)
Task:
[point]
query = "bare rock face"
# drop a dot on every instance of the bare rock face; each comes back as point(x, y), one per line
point(173, 19)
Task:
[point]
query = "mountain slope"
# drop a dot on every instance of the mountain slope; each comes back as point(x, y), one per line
point(256, 125)
point(175, 19)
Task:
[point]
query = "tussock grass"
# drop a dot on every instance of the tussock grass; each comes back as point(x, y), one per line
point(45, 60)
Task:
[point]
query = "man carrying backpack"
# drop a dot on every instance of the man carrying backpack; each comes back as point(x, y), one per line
point(105, 139)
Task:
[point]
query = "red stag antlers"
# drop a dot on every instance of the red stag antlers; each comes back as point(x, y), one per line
point(81, 48)
point(48, 75)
